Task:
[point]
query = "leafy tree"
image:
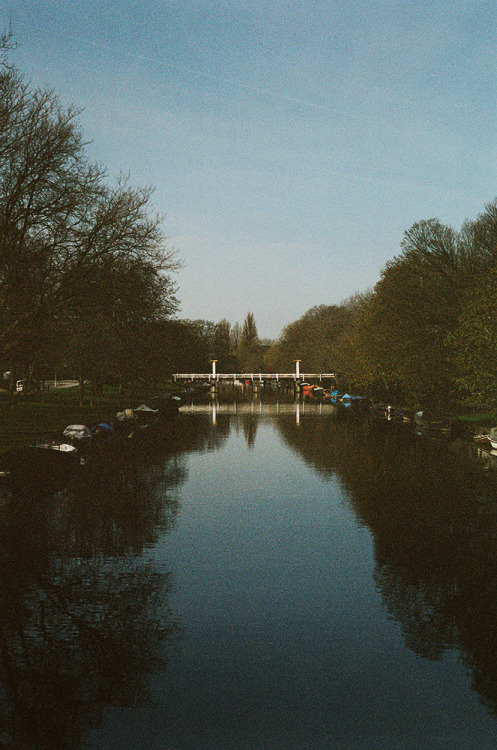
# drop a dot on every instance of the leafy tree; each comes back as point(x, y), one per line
point(119, 290)
point(194, 345)
point(413, 309)
point(223, 349)
point(314, 339)
point(474, 342)
point(235, 336)
point(175, 346)
point(249, 331)
point(249, 348)
point(356, 368)
point(482, 238)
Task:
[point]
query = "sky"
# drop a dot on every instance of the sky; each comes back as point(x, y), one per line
point(290, 143)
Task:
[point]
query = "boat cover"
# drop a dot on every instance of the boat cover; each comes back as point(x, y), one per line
point(77, 432)
point(144, 409)
point(126, 414)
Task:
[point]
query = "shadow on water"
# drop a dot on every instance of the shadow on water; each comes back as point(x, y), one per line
point(433, 515)
point(84, 614)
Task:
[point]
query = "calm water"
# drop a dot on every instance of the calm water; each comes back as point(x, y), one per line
point(254, 580)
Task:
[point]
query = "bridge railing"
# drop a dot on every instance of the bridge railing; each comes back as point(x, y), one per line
point(251, 376)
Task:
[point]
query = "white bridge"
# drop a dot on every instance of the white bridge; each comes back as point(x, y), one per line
point(242, 377)
point(260, 377)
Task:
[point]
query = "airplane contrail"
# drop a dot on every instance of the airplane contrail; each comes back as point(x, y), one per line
point(233, 82)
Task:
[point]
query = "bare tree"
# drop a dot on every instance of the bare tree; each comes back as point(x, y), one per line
point(72, 249)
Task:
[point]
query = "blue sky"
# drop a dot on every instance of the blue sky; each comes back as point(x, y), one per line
point(290, 143)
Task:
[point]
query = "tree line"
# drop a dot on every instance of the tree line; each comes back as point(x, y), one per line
point(87, 285)
point(426, 332)
point(85, 272)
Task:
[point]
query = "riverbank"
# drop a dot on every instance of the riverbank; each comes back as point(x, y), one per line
point(475, 423)
point(23, 419)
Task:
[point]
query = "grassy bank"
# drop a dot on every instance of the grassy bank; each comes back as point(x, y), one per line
point(477, 422)
point(24, 419)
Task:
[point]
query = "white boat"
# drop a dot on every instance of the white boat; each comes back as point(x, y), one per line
point(58, 443)
point(77, 434)
point(493, 437)
point(77, 431)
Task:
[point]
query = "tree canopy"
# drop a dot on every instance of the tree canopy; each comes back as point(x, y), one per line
point(426, 331)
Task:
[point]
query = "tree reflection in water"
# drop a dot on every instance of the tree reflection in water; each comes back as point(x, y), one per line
point(83, 613)
point(433, 514)
point(249, 427)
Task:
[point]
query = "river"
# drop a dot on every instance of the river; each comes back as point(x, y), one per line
point(257, 577)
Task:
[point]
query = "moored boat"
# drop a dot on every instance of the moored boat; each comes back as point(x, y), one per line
point(426, 420)
point(56, 444)
point(78, 435)
point(145, 415)
point(316, 390)
point(167, 406)
point(379, 411)
point(399, 415)
point(483, 441)
point(492, 436)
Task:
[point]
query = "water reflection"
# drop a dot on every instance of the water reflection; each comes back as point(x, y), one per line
point(433, 514)
point(84, 614)
point(286, 643)
point(248, 412)
point(258, 408)
point(85, 607)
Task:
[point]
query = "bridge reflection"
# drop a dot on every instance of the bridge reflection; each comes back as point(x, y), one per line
point(215, 408)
